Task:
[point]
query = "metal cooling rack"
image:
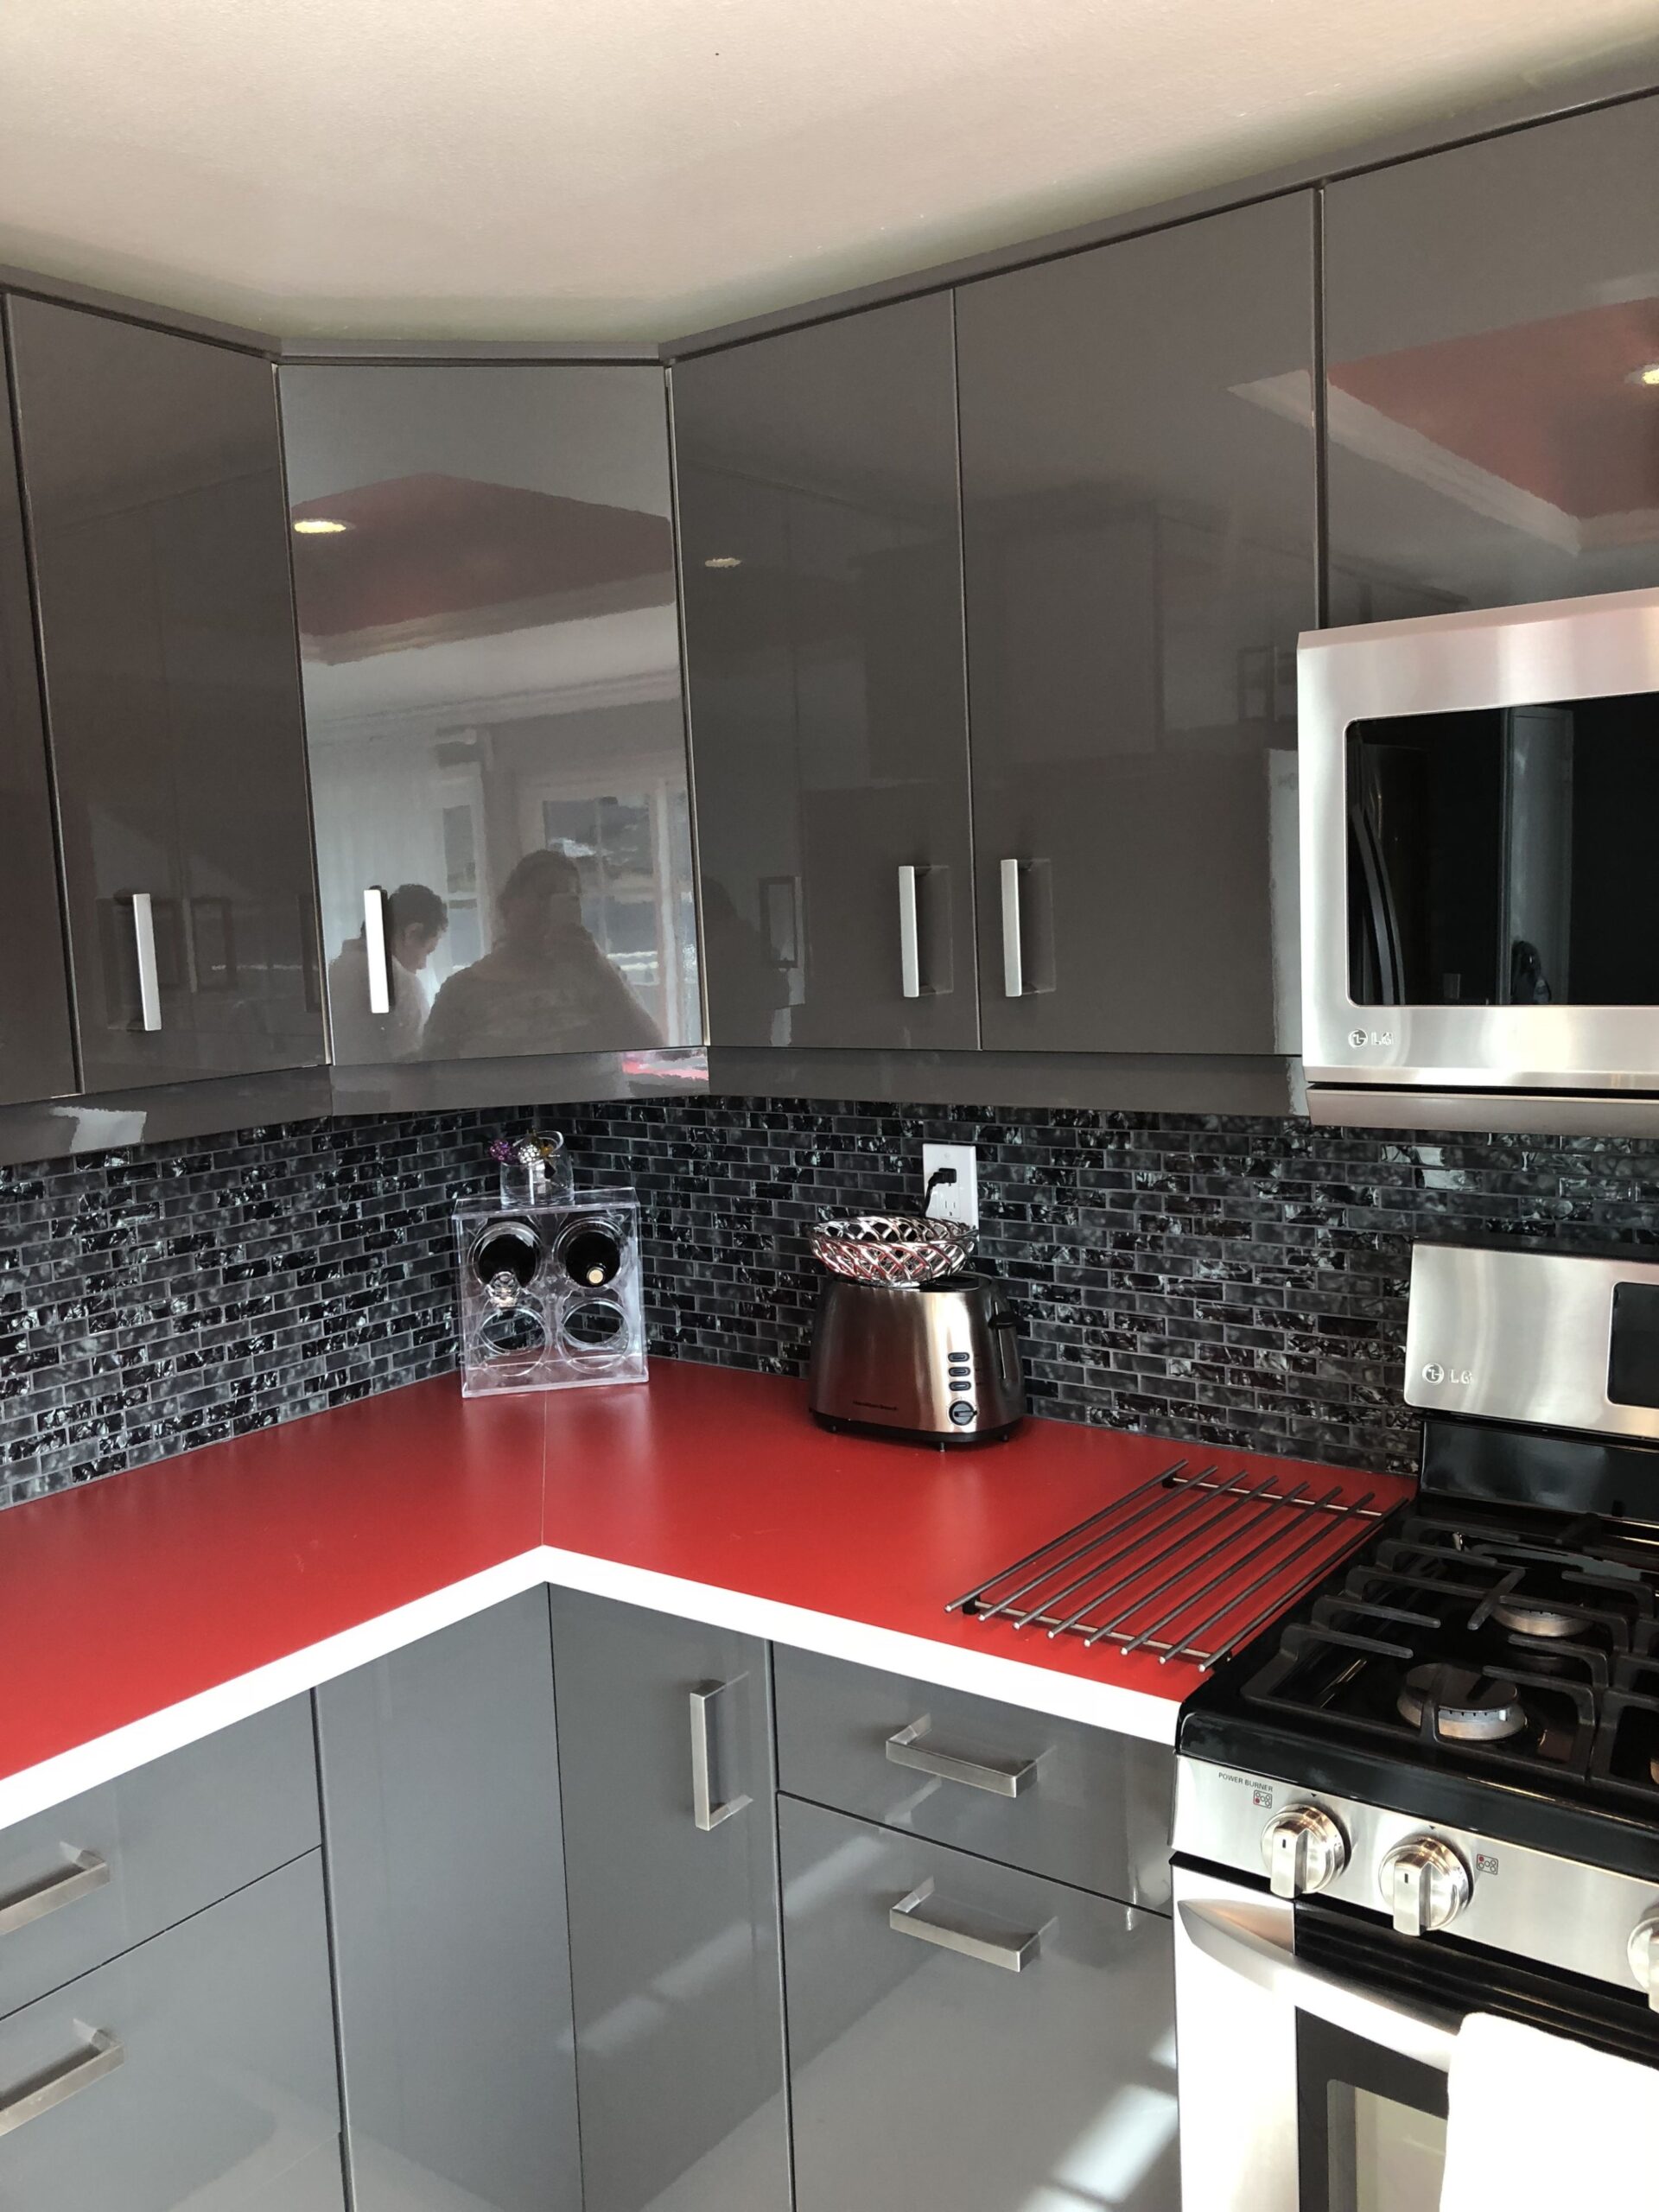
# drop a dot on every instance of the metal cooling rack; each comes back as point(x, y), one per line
point(1127, 1574)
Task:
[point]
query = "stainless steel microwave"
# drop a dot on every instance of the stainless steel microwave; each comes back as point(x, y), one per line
point(1480, 869)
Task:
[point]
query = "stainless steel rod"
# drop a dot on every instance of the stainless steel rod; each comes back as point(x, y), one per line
point(1064, 1536)
point(1189, 1597)
point(1183, 1567)
point(1090, 1575)
point(1352, 1539)
point(1098, 1563)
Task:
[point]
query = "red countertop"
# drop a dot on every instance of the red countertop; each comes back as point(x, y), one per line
point(146, 1609)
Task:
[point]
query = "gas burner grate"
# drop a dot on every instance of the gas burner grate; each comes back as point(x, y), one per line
point(1178, 1559)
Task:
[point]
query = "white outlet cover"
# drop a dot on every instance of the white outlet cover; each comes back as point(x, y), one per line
point(957, 1201)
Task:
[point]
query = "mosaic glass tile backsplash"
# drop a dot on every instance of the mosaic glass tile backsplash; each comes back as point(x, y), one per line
point(1239, 1282)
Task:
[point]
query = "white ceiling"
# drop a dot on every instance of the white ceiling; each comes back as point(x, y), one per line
point(644, 167)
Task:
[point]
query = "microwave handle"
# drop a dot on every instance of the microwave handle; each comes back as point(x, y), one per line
point(1379, 905)
point(1236, 1936)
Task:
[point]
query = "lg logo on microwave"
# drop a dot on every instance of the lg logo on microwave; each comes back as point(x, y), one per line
point(1359, 1039)
point(1435, 1373)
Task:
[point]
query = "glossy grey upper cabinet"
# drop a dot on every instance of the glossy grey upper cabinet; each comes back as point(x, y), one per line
point(1491, 313)
point(821, 563)
point(36, 1052)
point(153, 481)
point(484, 569)
point(1139, 498)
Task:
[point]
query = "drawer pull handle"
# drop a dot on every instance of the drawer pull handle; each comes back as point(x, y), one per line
point(1002, 1777)
point(704, 1811)
point(955, 1930)
point(85, 1872)
point(102, 2055)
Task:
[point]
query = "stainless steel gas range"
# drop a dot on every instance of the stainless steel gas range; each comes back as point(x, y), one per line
point(1435, 1791)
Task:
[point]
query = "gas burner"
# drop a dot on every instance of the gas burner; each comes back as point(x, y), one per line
point(1536, 1617)
point(1466, 1707)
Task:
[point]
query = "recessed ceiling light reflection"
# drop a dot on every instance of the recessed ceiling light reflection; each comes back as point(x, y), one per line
point(1647, 374)
point(724, 560)
point(319, 526)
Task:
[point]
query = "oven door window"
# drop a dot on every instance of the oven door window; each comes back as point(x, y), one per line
point(1502, 856)
point(1370, 2125)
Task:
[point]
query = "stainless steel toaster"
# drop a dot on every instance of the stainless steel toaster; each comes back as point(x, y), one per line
point(937, 1363)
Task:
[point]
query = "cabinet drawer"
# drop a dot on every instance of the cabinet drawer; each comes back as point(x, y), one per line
point(196, 2070)
point(90, 1878)
point(964, 2034)
point(1073, 1802)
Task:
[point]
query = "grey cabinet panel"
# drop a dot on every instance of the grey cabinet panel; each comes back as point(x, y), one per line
point(1138, 510)
point(820, 550)
point(174, 1836)
point(923, 2079)
point(440, 1800)
point(673, 1927)
point(1489, 313)
point(152, 474)
point(1091, 1807)
point(36, 1053)
point(485, 572)
point(226, 2100)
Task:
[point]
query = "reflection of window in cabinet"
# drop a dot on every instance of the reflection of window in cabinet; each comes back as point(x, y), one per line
point(469, 925)
point(632, 851)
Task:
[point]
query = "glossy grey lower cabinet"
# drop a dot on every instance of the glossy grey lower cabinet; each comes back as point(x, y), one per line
point(152, 476)
point(820, 552)
point(484, 564)
point(1138, 515)
point(37, 1056)
point(1489, 324)
point(664, 1753)
point(967, 2036)
point(114, 1866)
point(440, 1808)
point(1077, 1803)
point(195, 2074)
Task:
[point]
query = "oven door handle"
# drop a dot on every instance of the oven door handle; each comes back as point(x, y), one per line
point(1238, 1937)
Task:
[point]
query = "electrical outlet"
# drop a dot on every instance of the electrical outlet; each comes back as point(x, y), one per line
point(957, 1201)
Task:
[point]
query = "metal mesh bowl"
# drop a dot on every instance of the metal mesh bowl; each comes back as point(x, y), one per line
point(891, 1247)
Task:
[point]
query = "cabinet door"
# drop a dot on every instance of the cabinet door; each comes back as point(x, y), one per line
point(964, 2038)
point(36, 1054)
point(152, 472)
point(484, 569)
point(665, 1751)
point(1138, 489)
point(1492, 316)
point(440, 1823)
point(821, 552)
point(195, 2073)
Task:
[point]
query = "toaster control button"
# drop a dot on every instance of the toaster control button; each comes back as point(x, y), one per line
point(962, 1413)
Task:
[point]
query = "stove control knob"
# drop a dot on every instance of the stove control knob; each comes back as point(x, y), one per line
point(1425, 1884)
point(1303, 1850)
point(1644, 1957)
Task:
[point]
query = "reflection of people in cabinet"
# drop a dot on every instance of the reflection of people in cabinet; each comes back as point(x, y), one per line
point(415, 919)
point(545, 986)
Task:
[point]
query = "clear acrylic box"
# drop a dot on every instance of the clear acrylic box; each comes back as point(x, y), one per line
point(551, 1296)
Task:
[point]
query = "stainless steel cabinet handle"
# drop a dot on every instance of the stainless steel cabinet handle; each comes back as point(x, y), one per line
point(910, 947)
point(1232, 1936)
point(85, 1872)
point(955, 1930)
point(1001, 1777)
point(144, 937)
point(704, 1811)
point(374, 944)
point(102, 2055)
point(1014, 966)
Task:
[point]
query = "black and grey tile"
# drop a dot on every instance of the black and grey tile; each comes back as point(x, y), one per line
point(1239, 1282)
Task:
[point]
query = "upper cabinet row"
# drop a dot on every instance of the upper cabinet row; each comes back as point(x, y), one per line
point(990, 601)
point(991, 631)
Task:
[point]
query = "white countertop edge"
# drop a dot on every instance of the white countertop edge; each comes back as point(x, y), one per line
point(984, 1674)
